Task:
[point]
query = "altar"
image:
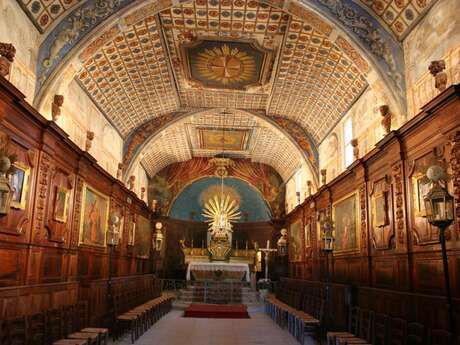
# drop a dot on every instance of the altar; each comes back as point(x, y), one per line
point(218, 271)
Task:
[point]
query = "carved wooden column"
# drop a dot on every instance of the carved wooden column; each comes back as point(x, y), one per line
point(7, 53)
point(455, 167)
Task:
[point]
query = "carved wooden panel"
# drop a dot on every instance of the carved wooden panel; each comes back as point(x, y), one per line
point(382, 230)
point(60, 205)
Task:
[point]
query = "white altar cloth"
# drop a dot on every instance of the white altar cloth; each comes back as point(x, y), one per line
point(218, 266)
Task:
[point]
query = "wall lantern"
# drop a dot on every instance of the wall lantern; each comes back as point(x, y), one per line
point(113, 235)
point(439, 204)
point(158, 237)
point(328, 238)
point(282, 243)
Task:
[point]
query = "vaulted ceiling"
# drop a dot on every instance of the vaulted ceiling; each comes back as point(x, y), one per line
point(303, 64)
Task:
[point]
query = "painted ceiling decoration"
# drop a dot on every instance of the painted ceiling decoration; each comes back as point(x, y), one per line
point(80, 23)
point(136, 141)
point(300, 64)
point(171, 181)
point(181, 141)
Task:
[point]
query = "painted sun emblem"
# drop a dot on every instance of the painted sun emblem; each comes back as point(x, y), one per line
point(225, 65)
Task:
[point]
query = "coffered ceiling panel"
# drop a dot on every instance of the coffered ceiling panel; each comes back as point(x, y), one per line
point(316, 81)
point(224, 21)
point(129, 79)
point(398, 15)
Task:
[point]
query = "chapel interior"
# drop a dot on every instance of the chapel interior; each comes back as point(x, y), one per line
point(229, 172)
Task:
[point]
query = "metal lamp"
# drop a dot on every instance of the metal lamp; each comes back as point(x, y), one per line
point(439, 204)
point(113, 235)
point(282, 243)
point(439, 207)
point(158, 237)
point(328, 239)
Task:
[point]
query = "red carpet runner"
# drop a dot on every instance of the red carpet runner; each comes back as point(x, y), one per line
point(217, 311)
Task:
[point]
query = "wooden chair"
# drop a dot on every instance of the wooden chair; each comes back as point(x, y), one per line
point(380, 330)
point(366, 319)
point(91, 338)
point(17, 331)
point(352, 327)
point(398, 332)
point(70, 342)
point(416, 334)
point(440, 337)
point(36, 329)
point(53, 325)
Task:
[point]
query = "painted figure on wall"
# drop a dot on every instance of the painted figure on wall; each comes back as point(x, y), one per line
point(345, 221)
point(94, 217)
point(143, 238)
point(295, 241)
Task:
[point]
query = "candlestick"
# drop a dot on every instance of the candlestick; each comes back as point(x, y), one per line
point(268, 244)
point(246, 245)
point(192, 242)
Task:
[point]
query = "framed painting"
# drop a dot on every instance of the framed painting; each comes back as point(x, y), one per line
point(94, 217)
point(345, 218)
point(143, 239)
point(381, 229)
point(61, 204)
point(421, 187)
point(295, 241)
point(380, 209)
point(19, 182)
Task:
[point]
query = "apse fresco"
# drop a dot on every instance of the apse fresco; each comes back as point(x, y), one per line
point(170, 181)
point(189, 204)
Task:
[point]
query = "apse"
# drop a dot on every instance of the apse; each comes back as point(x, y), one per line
point(190, 202)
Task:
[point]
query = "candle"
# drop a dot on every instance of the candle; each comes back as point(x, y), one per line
point(246, 245)
point(268, 244)
point(192, 242)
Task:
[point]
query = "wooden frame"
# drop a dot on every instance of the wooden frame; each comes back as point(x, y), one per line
point(355, 217)
point(105, 215)
point(19, 198)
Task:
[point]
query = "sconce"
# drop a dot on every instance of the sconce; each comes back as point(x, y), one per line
point(157, 237)
point(328, 238)
point(113, 235)
point(282, 243)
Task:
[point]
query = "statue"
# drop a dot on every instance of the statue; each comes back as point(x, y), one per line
point(354, 143)
point(120, 171)
point(142, 193)
point(437, 68)
point(7, 53)
point(323, 176)
point(386, 118)
point(131, 181)
point(309, 185)
point(89, 140)
point(58, 101)
point(220, 211)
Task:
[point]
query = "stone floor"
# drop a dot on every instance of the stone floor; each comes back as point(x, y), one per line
point(173, 329)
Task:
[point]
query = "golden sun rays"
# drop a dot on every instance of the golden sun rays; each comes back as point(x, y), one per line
point(225, 65)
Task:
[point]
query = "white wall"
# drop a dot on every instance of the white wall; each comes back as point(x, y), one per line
point(16, 28)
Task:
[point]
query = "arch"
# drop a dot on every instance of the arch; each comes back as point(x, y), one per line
point(354, 30)
point(136, 143)
point(190, 197)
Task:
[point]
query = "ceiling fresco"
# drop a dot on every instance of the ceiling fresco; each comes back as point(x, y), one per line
point(299, 63)
point(181, 141)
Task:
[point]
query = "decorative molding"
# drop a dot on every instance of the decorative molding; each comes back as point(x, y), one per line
point(363, 214)
point(455, 170)
point(77, 211)
point(398, 191)
point(44, 173)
